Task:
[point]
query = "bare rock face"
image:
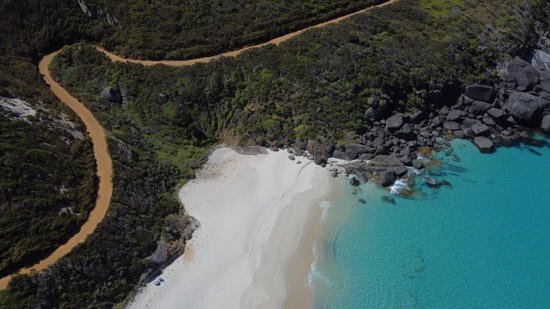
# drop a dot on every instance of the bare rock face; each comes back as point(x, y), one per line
point(484, 144)
point(525, 109)
point(394, 122)
point(521, 75)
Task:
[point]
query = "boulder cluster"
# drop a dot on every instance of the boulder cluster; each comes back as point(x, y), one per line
point(483, 113)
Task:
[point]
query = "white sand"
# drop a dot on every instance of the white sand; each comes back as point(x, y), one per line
point(253, 211)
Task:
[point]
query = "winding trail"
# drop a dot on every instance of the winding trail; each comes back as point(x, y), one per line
point(97, 133)
point(104, 172)
point(276, 41)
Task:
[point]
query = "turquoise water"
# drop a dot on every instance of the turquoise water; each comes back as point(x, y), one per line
point(482, 243)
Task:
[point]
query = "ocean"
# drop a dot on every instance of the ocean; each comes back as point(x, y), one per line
point(481, 240)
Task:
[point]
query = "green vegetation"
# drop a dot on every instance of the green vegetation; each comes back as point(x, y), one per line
point(48, 187)
point(415, 54)
point(182, 29)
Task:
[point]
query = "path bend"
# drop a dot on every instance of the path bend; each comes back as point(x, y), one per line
point(104, 172)
point(97, 133)
point(276, 41)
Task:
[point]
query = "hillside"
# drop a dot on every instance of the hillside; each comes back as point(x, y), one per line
point(322, 85)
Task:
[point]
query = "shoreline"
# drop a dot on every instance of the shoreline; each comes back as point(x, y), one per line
point(257, 214)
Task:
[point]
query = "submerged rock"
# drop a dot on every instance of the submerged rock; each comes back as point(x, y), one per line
point(354, 181)
point(388, 199)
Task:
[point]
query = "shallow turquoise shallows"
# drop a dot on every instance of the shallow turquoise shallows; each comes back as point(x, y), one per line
point(482, 243)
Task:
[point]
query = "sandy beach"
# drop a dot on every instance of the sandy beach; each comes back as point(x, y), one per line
point(258, 216)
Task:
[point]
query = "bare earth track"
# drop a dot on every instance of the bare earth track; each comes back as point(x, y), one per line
point(97, 133)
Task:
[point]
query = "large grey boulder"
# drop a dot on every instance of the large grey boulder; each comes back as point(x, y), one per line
point(387, 178)
point(480, 129)
point(545, 126)
point(353, 151)
point(406, 132)
point(480, 92)
point(479, 107)
point(521, 74)
point(400, 171)
point(454, 115)
point(484, 144)
point(417, 164)
point(497, 114)
point(524, 108)
point(451, 125)
point(394, 122)
point(111, 95)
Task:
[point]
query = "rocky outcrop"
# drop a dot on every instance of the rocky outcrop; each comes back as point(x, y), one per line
point(394, 122)
point(521, 75)
point(111, 95)
point(525, 109)
point(387, 178)
point(98, 14)
point(484, 144)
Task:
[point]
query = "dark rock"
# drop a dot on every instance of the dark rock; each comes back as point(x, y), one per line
point(432, 182)
point(362, 201)
point(479, 108)
point(291, 157)
point(545, 125)
point(418, 117)
point(111, 95)
point(394, 122)
point(484, 144)
point(381, 150)
point(354, 181)
point(339, 154)
point(451, 125)
point(300, 144)
point(406, 132)
point(468, 122)
point(497, 114)
point(480, 129)
point(353, 151)
point(388, 199)
point(521, 74)
point(319, 148)
point(524, 108)
point(406, 160)
point(371, 113)
point(459, 133)
point(417, 164)
point(489, 121)
point(289, 150)
point(320, 160)
point(387, 178)
point(480, 92)
point(400, 171)
point(454, 115)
